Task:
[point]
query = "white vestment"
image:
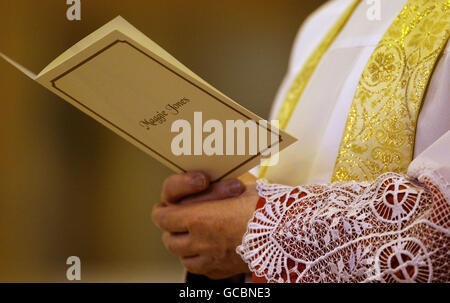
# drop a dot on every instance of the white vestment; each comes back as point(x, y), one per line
point(395, 229)
point(319, 119)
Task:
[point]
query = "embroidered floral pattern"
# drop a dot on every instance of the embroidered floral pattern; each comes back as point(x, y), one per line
point(382, 67)
point(384, 112)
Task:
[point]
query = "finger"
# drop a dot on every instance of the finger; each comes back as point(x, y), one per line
point(171, 219)
point(197, 264)
point(178, 186)
point(221, 190)
point(179, 244)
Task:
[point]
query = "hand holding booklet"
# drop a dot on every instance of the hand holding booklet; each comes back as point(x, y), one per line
point(125, 81)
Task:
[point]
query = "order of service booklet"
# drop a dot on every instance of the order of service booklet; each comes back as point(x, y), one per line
point(125, 81)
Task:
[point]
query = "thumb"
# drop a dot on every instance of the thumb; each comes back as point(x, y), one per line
point(218, 191)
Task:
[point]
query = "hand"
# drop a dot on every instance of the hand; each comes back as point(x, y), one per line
point(203, 224)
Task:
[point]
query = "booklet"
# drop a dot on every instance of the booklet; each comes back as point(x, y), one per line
point(128, 83)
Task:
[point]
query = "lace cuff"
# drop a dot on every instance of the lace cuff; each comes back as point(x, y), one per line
point(393, 230)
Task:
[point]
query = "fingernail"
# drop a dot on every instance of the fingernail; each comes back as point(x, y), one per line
point(198, 180)
point(235, 188)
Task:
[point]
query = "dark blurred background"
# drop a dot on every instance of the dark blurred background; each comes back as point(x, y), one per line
point(69, 186)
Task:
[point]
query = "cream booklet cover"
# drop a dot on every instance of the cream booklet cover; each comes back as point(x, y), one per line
point(125, 81)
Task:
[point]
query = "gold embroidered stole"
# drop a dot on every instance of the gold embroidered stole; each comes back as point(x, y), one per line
point(379, 135)
point(301, 80)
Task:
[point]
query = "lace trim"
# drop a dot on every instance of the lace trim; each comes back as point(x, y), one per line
point(394, 230)
point(428, 169)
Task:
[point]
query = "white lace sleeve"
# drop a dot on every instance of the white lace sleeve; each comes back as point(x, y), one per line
point(396, 229)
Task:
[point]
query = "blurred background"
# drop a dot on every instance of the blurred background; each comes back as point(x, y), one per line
point(71, 187)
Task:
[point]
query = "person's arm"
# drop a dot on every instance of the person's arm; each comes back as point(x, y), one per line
point(396, 229)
